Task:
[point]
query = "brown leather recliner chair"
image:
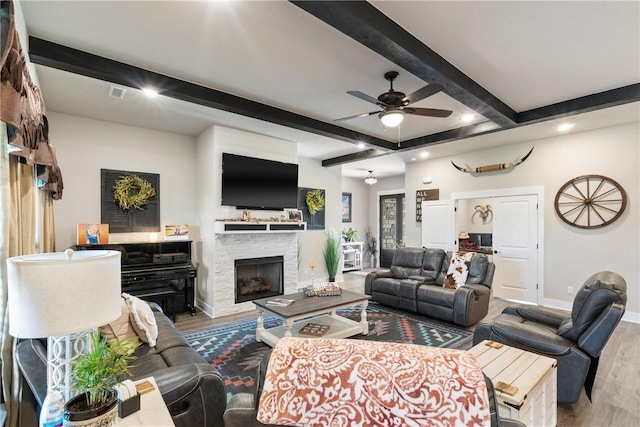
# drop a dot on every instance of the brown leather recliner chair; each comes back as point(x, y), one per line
point(575, 339)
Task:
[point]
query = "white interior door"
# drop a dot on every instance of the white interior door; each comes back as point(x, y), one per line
point(515, 246)
point(438, 224)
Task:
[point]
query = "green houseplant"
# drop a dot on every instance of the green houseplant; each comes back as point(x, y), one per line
point(349, 235)
point(331, 252)
point(94, 374)
point(371, 245)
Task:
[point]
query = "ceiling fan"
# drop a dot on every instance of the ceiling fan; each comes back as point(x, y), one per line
point(394, 104)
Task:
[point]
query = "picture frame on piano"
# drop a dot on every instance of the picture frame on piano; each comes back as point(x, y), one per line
point(176, 232)
point(92, 234)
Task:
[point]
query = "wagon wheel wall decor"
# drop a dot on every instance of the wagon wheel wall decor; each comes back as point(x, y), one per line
point(590, 201)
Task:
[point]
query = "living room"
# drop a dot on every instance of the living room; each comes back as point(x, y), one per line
point(189, 167)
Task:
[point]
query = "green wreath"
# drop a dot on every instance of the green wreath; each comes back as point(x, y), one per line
point(126, 198)
point(315, 201)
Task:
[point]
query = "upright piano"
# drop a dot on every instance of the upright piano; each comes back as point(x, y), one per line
point(162, 272)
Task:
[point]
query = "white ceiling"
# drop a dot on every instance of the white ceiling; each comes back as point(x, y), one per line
point(527, 54)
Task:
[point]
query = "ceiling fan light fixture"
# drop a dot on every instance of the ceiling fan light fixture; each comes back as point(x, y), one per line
point(392, 118)
point(370, 179)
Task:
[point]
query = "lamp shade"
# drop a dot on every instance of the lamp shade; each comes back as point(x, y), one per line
point(61, 293)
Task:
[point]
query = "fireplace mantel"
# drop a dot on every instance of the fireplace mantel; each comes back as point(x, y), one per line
point(246, 227)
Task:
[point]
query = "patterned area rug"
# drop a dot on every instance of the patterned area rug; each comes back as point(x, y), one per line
point(233, 350)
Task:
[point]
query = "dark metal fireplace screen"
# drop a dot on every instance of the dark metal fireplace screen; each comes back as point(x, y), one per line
point(259, 278)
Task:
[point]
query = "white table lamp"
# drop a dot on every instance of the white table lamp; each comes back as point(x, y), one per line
point(62, 296)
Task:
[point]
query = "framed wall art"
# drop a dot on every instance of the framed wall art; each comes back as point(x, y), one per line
point(130, 201)
point(311, 202)
point(424, 195)
point(346, 207)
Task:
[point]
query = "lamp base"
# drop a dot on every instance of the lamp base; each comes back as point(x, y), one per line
point(61, 351)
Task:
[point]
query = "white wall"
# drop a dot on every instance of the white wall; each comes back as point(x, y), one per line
point(570, 254)
point(359, 205)
point(84, 146)
point(313, 175)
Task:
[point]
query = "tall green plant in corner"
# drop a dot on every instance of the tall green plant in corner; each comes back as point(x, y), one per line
point(331, 253)
point(371, 245)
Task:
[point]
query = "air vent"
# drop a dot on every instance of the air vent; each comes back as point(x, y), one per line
point(117, 92)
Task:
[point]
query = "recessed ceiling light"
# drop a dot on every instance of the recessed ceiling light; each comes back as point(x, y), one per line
point(151, 93)
point(468, 118)
point(413, 159)
point(424, 154)
point(361, 145)
point(565, 127)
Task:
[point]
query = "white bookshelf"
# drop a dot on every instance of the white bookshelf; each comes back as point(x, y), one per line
point(352, 256)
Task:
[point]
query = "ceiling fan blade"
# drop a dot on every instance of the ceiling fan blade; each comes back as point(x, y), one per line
point(429, 112)
point(357, 115)
point(423, 93)
point(365, 97)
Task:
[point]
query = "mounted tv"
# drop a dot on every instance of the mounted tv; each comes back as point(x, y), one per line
point(251, 183)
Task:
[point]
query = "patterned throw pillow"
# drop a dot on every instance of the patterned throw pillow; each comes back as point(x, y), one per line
point(458, 270)
point(341, 382)
point(142, 319)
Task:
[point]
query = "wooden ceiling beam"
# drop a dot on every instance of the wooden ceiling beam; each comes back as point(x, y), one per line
point(43, 52)
point(365, 24)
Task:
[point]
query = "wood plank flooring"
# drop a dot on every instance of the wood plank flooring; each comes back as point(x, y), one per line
point(616, 394)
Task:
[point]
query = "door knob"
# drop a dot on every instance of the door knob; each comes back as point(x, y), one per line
point(495, 252)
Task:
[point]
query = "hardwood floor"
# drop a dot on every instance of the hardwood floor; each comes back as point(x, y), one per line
point(616, 393)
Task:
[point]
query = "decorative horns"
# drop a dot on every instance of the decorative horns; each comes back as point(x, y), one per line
point(492, 168)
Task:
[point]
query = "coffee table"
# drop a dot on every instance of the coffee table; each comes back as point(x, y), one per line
point(306, 309)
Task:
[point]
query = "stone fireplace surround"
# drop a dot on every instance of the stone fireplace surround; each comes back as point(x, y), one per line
point(229, 247)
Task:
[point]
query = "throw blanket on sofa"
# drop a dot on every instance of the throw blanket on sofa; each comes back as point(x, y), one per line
point(458, 270)
point(335, 382)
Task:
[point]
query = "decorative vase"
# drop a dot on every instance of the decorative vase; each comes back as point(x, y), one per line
point(103, 416)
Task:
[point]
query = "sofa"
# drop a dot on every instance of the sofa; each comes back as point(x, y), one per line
point(415, 283)
point(191, 388)
point(242, 409)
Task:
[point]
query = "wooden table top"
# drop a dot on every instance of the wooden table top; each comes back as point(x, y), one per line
point(304, 304)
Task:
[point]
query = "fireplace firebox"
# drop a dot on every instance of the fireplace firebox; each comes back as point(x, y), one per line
point(258, 278)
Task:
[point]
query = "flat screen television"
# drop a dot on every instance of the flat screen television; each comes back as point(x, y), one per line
point(251, 183)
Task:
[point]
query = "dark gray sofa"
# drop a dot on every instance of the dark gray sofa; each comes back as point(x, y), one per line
point(191, 388)
point(414, 283)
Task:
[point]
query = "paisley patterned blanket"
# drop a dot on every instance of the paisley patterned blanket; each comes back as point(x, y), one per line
point(335, 382)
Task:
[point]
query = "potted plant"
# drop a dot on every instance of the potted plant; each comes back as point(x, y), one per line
point(349, 235)
point(331, 254)
point(371, 245)
point(94, 374)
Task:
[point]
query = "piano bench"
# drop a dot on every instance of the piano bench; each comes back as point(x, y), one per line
point(163, 295)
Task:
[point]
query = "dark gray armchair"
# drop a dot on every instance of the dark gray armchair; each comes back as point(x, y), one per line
point(575, 339)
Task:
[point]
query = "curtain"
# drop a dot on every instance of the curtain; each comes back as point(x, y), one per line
point(26, 214)
point(18, 208)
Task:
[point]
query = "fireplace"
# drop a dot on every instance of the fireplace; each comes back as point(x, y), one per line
point(257, 278)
